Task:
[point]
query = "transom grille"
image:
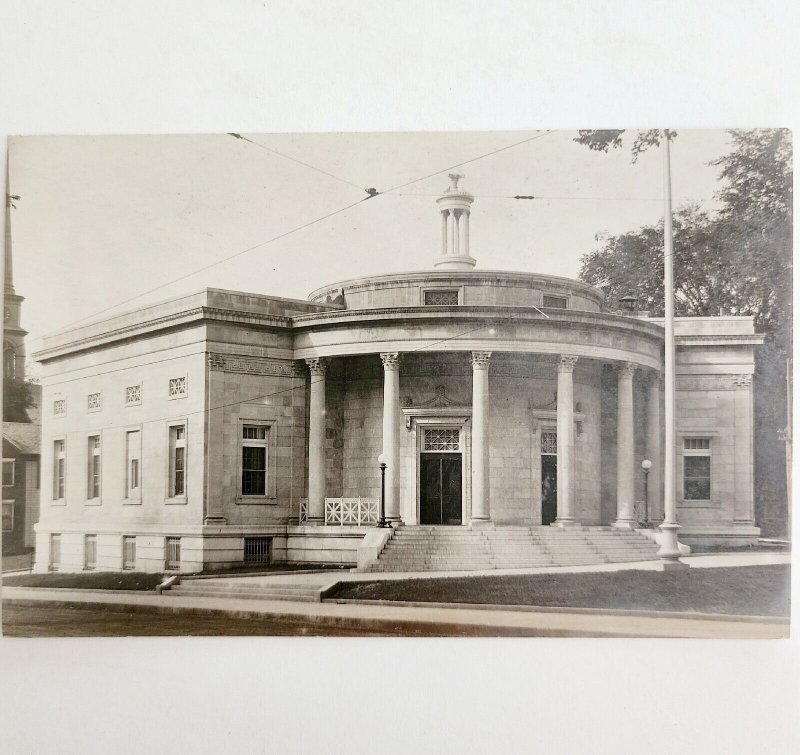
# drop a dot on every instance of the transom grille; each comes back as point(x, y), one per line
point(438, 439)
point(549, 442)
point(441, 298)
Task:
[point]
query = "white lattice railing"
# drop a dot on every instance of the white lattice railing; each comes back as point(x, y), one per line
point(351, 511)
point(341, 512)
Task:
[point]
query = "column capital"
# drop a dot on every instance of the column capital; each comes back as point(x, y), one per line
point(567, 363)
point(317, 366)
point(391, 360)
point(480, 360)
point(626, 369)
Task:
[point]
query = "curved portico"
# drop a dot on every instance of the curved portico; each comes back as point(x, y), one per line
point(502, 379)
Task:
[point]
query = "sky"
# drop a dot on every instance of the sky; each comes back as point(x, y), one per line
point(103, 220)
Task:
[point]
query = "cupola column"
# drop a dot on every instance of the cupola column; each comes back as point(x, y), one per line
point(454, 205)
point(565, 435)
point(316, 442)
point(626, 517)
point(391, 432)
point(480, 437)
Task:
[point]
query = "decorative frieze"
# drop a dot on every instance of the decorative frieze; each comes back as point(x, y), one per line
point(712, 382)
point(252, 365)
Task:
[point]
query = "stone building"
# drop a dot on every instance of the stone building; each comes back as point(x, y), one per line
point(223, 427)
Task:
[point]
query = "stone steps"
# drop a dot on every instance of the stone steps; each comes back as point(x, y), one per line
point(213, 588)
point(415, 548)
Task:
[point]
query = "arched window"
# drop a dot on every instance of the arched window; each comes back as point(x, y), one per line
point(9, 362)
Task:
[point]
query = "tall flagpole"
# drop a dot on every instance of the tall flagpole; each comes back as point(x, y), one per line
point(669, 552)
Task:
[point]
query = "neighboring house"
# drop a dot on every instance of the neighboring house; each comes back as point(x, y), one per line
point(20, 486)
point(222, 428)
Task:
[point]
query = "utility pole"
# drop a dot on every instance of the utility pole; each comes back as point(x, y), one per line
point(669, 552)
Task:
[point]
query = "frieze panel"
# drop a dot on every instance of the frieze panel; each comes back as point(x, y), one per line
point(253, 365)
point(712, 382)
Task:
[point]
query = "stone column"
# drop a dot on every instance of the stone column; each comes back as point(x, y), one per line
point(464, 228)
point(653, 446)
point(480, 437)
point(456, 231)
point(565, 434)
point(451, 225)
point(445, 215)
point(316, 442)
point(391, 432)
point(626, 516)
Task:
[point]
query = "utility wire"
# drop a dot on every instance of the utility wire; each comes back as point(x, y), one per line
point(371, 192)
point(295, 160)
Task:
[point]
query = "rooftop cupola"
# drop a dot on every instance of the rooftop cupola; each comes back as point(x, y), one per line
point(454, 207)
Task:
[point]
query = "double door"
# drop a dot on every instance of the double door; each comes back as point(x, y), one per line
point(440, 488)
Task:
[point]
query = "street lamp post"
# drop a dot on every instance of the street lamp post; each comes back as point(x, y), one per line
point(382, 464)
point(646, 464)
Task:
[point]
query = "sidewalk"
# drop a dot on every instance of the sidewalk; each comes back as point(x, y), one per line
point(438, 619)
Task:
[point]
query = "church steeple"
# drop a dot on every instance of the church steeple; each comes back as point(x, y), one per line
point(13, 332)
point(454, 207)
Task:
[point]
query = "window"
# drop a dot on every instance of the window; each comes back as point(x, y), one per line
point(60, 407)
point(697, 469)
point(254, 460)
point(59, 469)
point(93, 402)
point(133, 453)
point(555, 302)
point(133, 395)
point(8, 472)
point(55, 552)
point(549, 443)
point(177, 461)
point(173, 548)
point(90, 552)
point(177, 387)
point(94, 467)
point(441, 298)
point(439, 439)
point(8, 516)
point(129, 552)
point(256, 550)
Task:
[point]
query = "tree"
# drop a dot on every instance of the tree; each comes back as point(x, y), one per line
point(738, 259)
point(17, 399)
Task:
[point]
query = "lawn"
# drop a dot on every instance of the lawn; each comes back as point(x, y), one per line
point(747, 590)
point(96, 580)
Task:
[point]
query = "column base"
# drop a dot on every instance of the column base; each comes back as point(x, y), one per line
point(315, 521)
point(669, 552)
point(567, 524)
point(481, 524)
point(625, 524)
point(215, 520)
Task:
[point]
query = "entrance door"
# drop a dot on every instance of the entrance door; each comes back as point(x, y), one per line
point(440, 488)
point(549, 488)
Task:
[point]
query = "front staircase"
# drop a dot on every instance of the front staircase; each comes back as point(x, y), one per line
point(257, 588)
point(423, 548)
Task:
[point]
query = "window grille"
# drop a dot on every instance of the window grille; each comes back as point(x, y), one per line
point(549, 442)
point(173, 548)
point(133, 394)
point(177, 387)
point(94, 466)
point(55, 552)
point(441, 439)
point(555, 302)
point(256, 550)
point(8, 516)
point(441, 298)
point(697, 469)
point(60, 407)
point(90, 552)
point(129, 552)
point(93, 401)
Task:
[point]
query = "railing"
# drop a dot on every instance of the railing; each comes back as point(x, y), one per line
point(342, 512)
point(351, 511)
